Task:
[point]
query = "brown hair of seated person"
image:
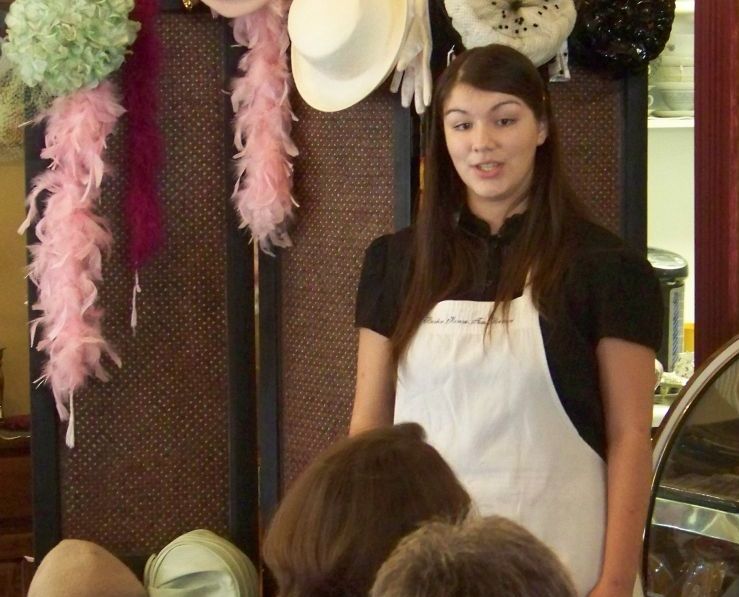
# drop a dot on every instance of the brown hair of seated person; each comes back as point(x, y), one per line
point(487, 557)
point(352, 505)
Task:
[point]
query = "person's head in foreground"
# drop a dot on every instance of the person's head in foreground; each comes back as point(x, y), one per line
point(348, 510)
point(488, 557)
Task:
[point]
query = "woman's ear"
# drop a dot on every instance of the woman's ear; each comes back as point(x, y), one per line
point(543, 131)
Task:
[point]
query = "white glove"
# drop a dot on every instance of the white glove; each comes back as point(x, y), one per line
point(414, 68)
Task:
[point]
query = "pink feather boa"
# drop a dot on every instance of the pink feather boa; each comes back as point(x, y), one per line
point(67, 262)
point(260, 98)
point(144, 148)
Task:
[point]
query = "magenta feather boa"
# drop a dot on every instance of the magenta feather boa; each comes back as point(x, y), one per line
point(144, 148)
point(260, 98)
point(67, 262)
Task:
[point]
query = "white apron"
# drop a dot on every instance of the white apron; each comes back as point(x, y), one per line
point(490, 408)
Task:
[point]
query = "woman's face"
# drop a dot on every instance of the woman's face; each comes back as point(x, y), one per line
point(492, 139)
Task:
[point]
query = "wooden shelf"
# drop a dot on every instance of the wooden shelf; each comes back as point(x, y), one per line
point(660, 122)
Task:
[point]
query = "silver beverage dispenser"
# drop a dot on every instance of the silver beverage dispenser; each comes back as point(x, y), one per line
point(671, 270)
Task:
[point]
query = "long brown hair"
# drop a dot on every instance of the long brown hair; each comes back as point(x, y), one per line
point(352, 505)
point(445, 261)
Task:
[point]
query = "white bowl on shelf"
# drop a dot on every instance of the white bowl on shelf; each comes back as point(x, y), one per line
point(677, 96)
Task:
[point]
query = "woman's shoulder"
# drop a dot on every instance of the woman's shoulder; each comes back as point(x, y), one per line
point(381, 281)
point(597, 248)
point(393, 244)
point(592, 237)
point(611, 288)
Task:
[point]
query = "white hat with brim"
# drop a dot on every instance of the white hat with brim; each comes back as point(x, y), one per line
point(342, 50)
point(234, 8)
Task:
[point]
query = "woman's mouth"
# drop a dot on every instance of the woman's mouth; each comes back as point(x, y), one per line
point(489, 168)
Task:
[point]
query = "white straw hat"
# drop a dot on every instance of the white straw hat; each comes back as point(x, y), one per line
point(342, 50)
point(234, 8)
point(76, 568)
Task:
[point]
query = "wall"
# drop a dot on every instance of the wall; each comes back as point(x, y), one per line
point(13, 310)
point(670, 211)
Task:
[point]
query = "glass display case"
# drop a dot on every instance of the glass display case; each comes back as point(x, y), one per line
point(692, 543)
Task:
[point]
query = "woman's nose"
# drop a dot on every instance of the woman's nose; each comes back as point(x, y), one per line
point(482, 138)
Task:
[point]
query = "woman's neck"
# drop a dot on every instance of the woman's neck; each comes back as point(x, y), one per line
point(496, 213)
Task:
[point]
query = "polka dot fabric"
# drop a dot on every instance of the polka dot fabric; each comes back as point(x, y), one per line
point(590, 116)
point(344, 182)
point(151, 458)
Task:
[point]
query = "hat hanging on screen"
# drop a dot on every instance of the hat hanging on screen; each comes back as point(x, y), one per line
point(234, 8)
point(76, 568)
point(201, 564)
point(342, 50)
point(536, 28)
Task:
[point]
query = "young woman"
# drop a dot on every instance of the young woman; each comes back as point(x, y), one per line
point(351, 507)
point(518, 333)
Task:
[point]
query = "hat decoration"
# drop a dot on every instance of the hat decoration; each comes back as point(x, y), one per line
point(263, 118)
point(342, 50)
point(143, 213)
point(234, 8)
point(66, 264)
point(68, 47)
point(622, 36)
point(536, 28)
point(64, 45)
point(16, 100)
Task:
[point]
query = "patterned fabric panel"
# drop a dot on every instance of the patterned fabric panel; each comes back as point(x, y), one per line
point(589, 113)
point(151, 459)
point(344, 182)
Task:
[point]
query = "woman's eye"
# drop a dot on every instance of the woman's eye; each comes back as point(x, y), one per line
point(461, 126)
point(506, 121)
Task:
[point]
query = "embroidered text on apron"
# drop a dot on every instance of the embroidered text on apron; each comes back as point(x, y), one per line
point(492, 411)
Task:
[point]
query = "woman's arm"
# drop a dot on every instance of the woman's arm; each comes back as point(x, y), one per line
point(627, 385)
point(374, 399)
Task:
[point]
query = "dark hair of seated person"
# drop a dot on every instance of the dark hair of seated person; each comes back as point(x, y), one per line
point(347, 511)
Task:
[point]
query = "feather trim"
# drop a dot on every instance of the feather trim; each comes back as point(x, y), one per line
point(66, 263)
point(263, 119)
point(144, 148)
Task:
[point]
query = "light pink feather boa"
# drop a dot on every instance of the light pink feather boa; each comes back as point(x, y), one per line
point(260, 99)
point(67, 262)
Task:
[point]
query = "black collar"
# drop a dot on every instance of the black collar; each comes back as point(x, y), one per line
point(471, 224)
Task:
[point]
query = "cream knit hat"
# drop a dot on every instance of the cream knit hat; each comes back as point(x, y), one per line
point(536, 28)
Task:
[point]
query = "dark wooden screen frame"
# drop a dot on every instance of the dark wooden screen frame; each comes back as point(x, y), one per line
point(242, 441)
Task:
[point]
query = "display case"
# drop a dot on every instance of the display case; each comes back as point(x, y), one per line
point(692, 547)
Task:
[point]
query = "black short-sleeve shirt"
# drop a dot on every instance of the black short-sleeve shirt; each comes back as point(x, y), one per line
point(609, 291)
